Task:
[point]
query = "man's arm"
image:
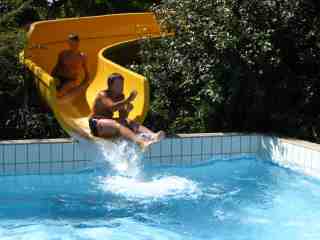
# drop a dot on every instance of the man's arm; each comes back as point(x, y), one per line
point(116, 106)
point(56, 70)
point(124, 112)
point(58, 64)
point(111, 105)
point(85, 67)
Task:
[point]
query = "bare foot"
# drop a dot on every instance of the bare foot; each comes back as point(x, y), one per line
point(145, 144)
point(159, 136)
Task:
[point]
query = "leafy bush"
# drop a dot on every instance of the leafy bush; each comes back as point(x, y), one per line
point(22, 112)
point(236, 66)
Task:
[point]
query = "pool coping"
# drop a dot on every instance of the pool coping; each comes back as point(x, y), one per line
point(37, 141)
point(70, 140)
point(298, 142)
point(301, 143)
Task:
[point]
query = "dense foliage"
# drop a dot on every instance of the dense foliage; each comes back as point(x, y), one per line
point(236, 65)
point(233, 65)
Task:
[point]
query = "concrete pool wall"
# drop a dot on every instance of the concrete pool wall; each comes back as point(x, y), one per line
point(68, 155)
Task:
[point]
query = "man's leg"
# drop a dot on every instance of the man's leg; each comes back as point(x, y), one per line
point(138, 128)
point(110, 128)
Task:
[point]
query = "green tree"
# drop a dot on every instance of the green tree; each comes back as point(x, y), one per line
point(70, 8)
point(236, 65)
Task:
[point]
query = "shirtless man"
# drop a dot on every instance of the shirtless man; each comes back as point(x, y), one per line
point(103, 124)
point(68, 69)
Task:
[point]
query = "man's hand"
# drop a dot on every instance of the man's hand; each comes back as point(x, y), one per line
point(132, 96)
point(125, 110)
point(129, 107)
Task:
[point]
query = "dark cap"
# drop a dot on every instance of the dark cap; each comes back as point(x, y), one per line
point(73, 37)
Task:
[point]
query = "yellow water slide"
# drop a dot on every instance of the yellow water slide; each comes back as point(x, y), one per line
point(97, 34)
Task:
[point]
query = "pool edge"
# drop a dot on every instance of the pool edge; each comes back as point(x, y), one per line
point(51, 156)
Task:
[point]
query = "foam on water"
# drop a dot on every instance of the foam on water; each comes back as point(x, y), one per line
point(161, 187)
point(127, 178)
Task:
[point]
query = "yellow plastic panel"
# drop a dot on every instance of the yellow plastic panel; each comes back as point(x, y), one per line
point(47, 38)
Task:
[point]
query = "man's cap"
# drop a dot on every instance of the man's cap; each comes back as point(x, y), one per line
point(73, 37)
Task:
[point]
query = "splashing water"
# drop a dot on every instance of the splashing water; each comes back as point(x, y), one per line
point(156, 188)
point(123, 156)
point(128, 180)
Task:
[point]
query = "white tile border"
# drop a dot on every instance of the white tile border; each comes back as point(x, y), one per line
point(301, 156)
point(56, 155)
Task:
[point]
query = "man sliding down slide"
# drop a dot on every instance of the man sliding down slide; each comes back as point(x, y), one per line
point(67, 71)
point(103, 124)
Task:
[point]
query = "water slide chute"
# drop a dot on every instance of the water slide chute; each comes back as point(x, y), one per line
point(97, 34)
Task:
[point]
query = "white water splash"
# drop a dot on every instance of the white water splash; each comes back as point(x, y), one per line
point(123, 157)
point(127, 178)
point(156, 188)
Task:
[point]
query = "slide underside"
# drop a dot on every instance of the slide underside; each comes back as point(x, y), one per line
point(97, 34)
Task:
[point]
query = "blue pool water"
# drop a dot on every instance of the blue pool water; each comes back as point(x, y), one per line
point(233, 199)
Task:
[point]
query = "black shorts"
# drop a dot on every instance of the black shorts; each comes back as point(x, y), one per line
point(93, 126)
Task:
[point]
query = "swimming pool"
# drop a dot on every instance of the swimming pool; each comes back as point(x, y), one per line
point(231, 198)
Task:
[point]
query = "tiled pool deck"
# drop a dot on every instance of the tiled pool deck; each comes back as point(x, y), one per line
point(67, 155)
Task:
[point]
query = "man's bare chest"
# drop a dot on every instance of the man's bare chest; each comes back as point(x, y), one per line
point(72, 60)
